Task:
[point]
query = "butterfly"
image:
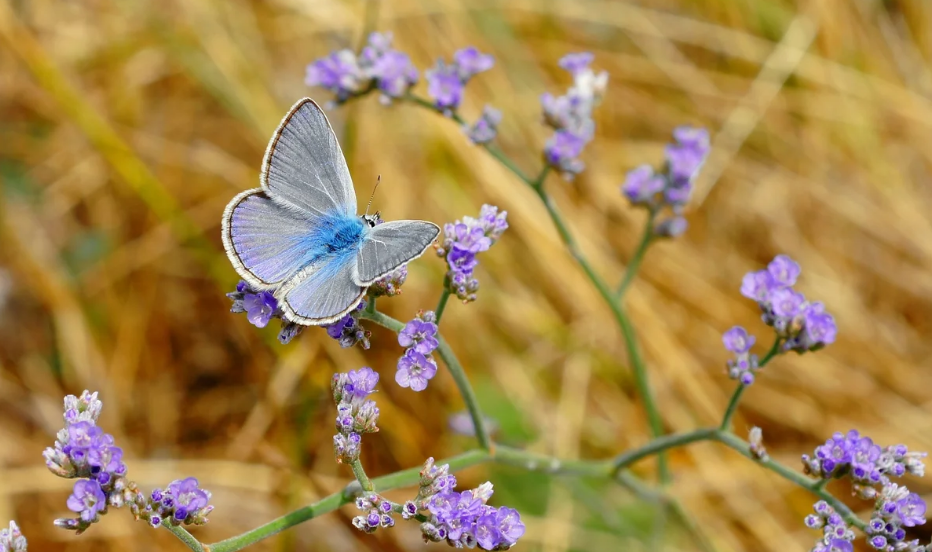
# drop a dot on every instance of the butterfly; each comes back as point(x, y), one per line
point(299, 237)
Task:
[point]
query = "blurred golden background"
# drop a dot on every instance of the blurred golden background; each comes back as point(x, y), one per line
point(126, 126)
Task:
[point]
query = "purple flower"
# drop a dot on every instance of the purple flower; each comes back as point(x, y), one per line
point(757, 285)
point(509, 524)
point(348, 331)
point(642, 185)
point(395, 73)
point(415, 370)
point(470, 62)
point(911, 510)
point(445, 86)
point(87, 499)
point(575, 63)
point(361, 382)
point(783, 270)
point(259, 307)
point(419, 334)
point(188, 497)
point(562, 150)
point(820, 326)
point(462, 240)
point(486, 127)
point(787, 303)
point(338, 72)
point(106, 458)
point(738, 340)
point(686, 156)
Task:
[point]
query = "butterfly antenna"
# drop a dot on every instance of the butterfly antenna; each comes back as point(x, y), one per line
point(378, 181)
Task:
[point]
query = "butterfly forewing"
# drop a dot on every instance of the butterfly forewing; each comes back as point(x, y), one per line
point(304, 165)
point(390, 245)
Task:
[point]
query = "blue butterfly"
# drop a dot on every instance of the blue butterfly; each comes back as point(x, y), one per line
point(299, 236)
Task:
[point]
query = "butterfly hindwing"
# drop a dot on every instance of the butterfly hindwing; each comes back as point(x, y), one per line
point(323, 292)
point(390, 245)
point(304, 166)
point(265, 241)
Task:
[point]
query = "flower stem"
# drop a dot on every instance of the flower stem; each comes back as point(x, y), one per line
point(442, 304)
point(739, 390)
point(456, 370)
point(635, 262)
point(812, 485)
point(659, 445)
point(185, 537)
point(361, 476)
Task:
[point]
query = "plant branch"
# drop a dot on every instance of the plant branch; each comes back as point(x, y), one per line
point(442, 304)
point(635, 262)
point(739, 390)
point(456, 370)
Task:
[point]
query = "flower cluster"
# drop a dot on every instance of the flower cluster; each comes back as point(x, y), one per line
point(416, 366)
point(461, 519)
point(570, 115)
point(447, 81)
point(836, 535)
point(485, 128)
point(802, 325)
point(868, 466)
point(378, 513)
point(355, 413)
point(12, 540)
point(378, 66)
point(742, 367)
point(83, 451)
point(182, 502)
point(261, 307)
point(672, 186)
point(348, 331)
point(462, 240)
point(390, 284)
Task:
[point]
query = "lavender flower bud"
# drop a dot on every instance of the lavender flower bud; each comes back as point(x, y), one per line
point(12, 540)
point(756, 439)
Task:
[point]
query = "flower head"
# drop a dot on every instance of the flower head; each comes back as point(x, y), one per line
point(395, 74)
point(469, 62)
point(463, 239)
point(562, 151)
point(486, 127)
point(348, 331)
point(12, 540)
point(338, 72)
point(445, 86)
point(420, 334)
point(88, 500)
point(415, 370)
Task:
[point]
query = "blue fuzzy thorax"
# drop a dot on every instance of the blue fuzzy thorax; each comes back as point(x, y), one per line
point(337, 234)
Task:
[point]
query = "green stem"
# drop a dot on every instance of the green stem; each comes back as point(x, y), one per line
point(532, 462)
point(635, 262)
point(814, 486)
point(466, 390)
point(185, 537)
point(659, 445)
point(739, 390)
point(456, 370)
point(361, 476)
point(442, 304)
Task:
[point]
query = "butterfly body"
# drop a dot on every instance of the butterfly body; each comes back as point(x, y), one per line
point(299, 235)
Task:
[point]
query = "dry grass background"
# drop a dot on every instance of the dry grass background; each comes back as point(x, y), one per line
point(126, 126)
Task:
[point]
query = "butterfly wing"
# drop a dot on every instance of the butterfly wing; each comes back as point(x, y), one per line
point(268, 232)
point(304, 166)
point(265, 241)
point(322, 292)
point(390, 245)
